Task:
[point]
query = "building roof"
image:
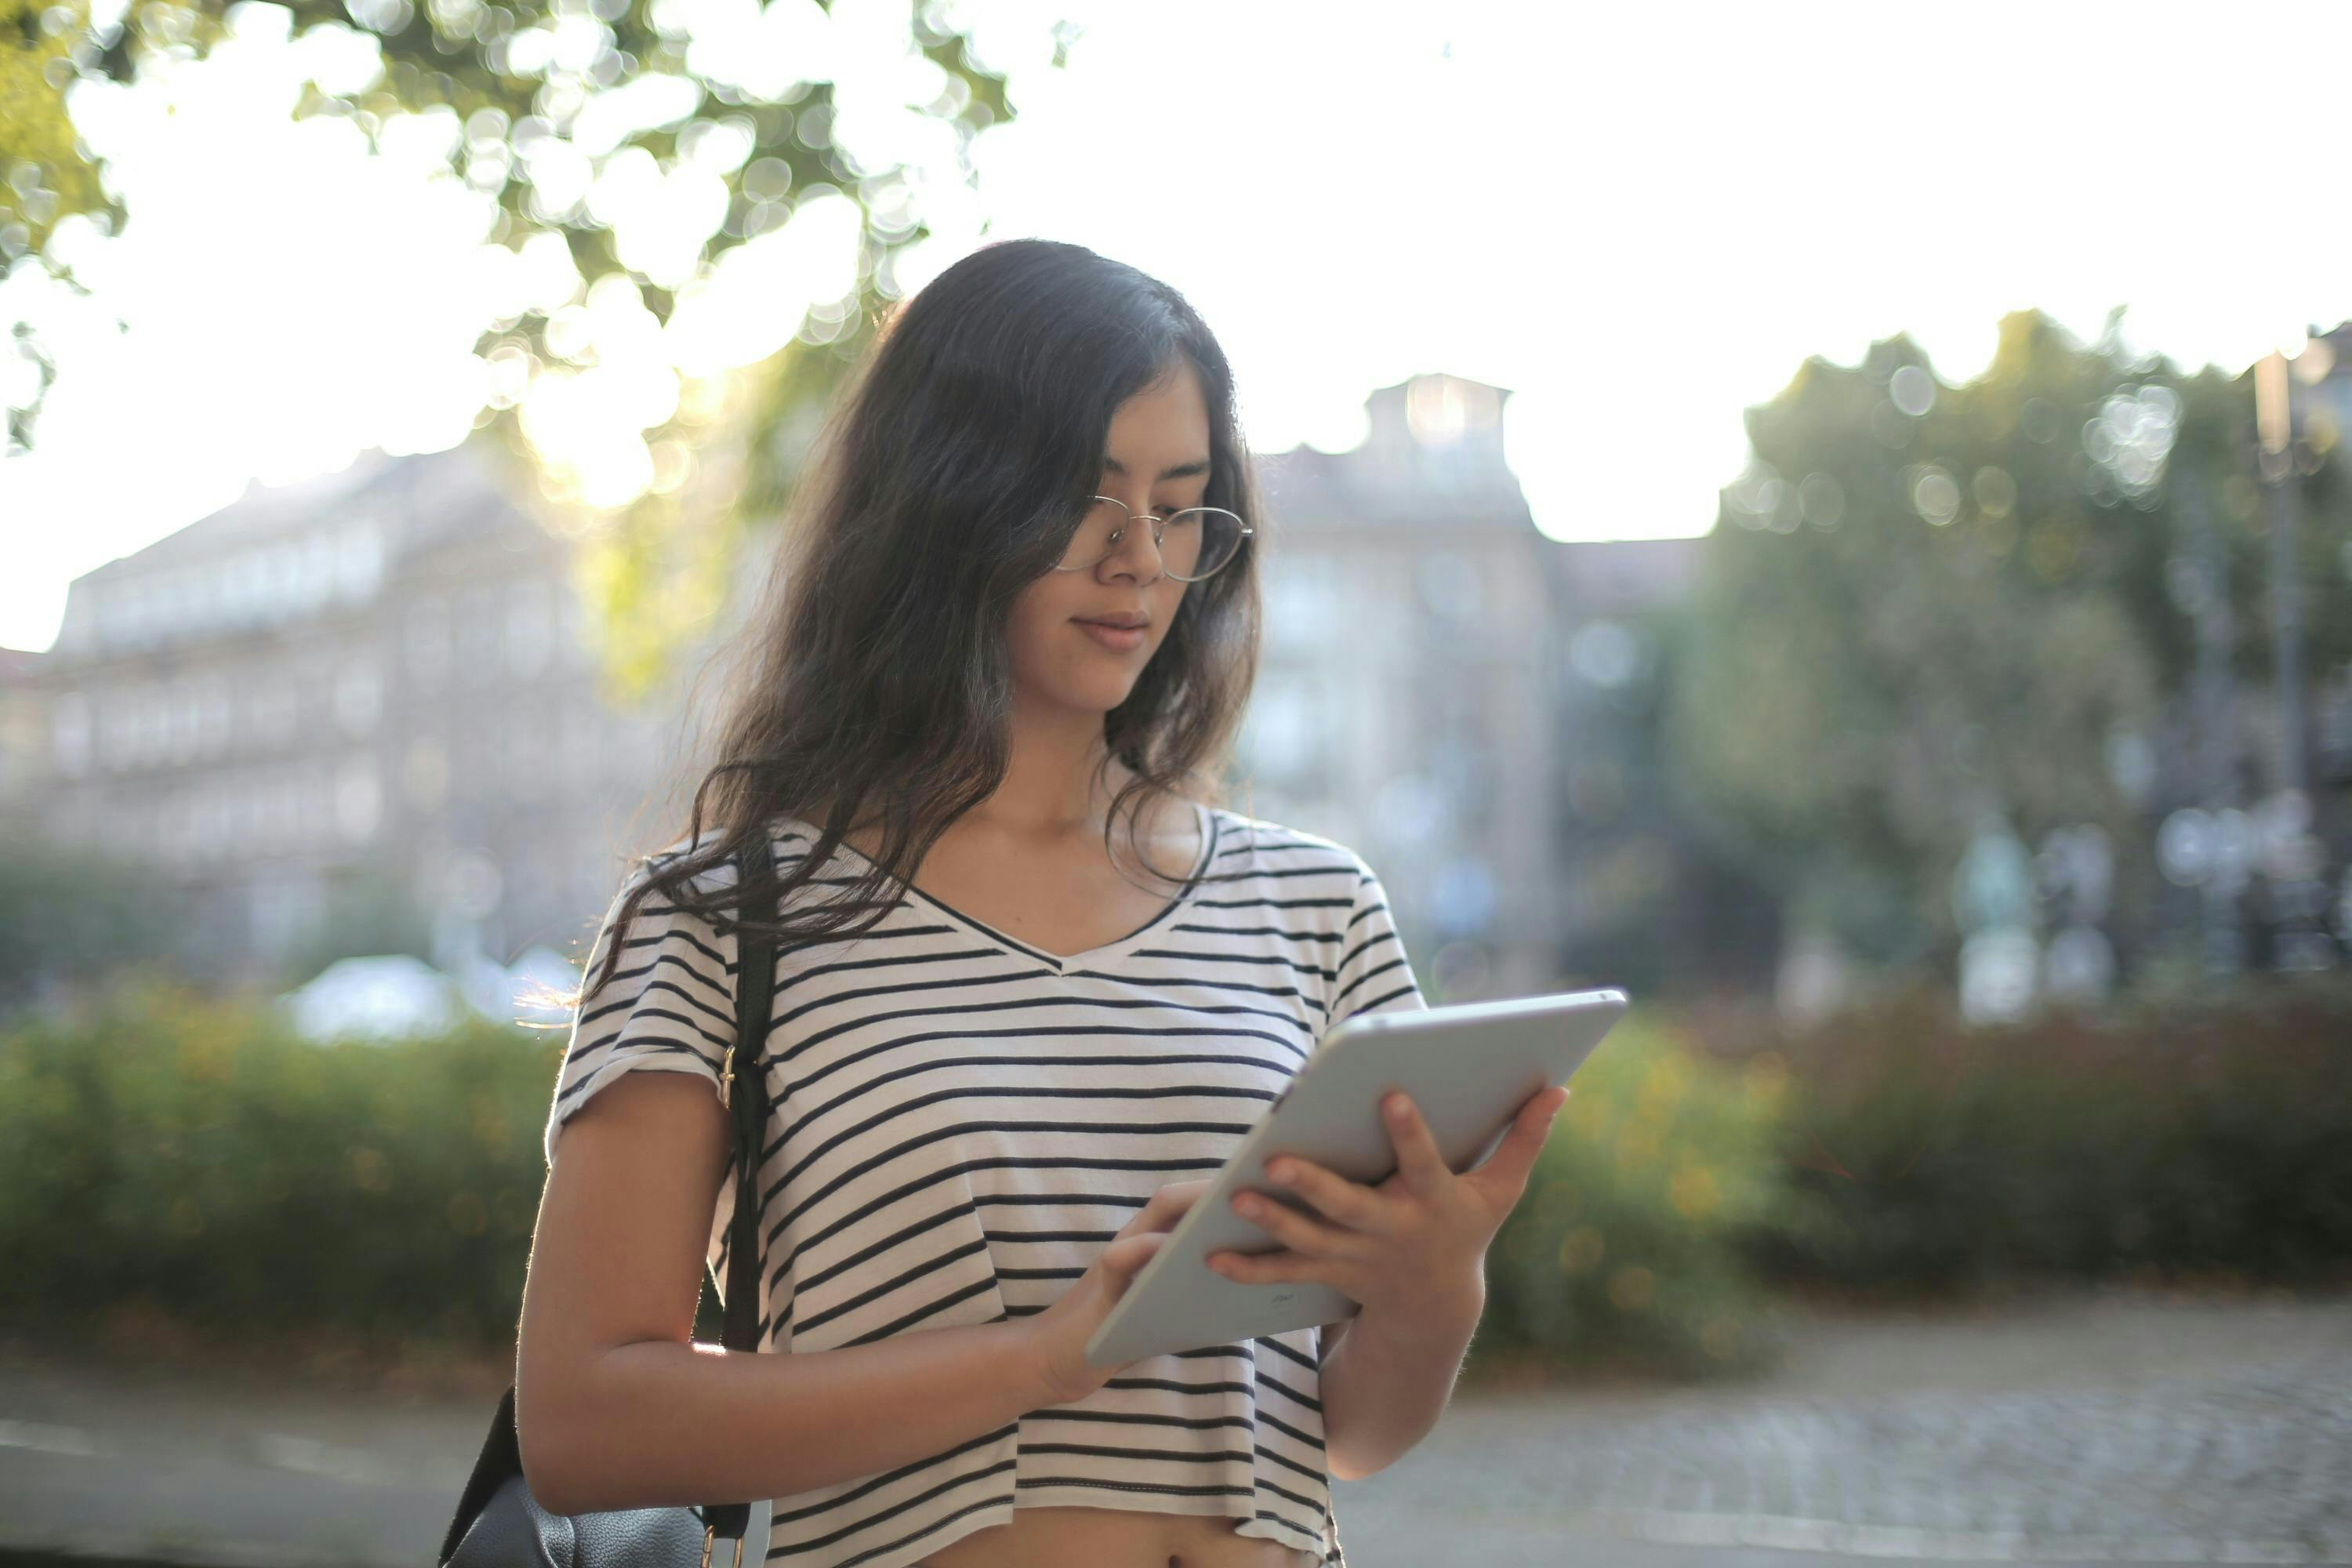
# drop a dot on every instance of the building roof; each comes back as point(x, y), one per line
point(1433, 439)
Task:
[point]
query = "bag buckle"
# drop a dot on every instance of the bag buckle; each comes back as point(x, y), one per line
point(708, 1531)
point(726, 1085)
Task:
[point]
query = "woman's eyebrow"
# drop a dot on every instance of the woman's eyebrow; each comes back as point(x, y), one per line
point(1180, 471)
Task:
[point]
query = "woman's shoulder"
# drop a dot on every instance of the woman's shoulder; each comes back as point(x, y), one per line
point(693, 864)
point(1280, 845)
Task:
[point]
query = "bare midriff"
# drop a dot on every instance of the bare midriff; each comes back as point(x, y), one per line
point(1115, 1538)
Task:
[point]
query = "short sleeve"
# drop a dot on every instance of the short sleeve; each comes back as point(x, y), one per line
point(669, 1005)
point(1375, 973)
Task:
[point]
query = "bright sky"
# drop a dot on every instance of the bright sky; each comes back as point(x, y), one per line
point(1642, 221)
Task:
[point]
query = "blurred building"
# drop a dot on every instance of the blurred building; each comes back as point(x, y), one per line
point(371, 697)
point(2319, 387)
point(21, 741)
point(1420, 695)
point(363, 704)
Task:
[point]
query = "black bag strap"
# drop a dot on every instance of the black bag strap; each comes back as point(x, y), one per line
point(743, 1090)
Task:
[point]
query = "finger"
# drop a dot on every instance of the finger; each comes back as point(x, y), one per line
point(1350, 1204)
point(1166, 1206)
point(1515, 1161)
point(1419, 1162)
point(1171, 1202)
point(1126, 1255)
point(1302, 1234)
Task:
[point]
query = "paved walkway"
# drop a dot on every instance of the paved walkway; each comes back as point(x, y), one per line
point(2104, 1430)
point(2119, 1430)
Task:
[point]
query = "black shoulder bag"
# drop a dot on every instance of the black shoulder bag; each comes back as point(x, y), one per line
point(499, 1524)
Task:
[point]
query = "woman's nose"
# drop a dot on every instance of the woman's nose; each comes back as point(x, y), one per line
point(1136, 543)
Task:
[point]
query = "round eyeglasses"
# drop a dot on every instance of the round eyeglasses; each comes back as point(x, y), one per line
point(1193, 544)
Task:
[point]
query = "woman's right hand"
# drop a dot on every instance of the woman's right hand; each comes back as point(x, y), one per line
point(1060, 1332)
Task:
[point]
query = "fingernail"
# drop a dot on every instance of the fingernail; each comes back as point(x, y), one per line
point(1396, 1108)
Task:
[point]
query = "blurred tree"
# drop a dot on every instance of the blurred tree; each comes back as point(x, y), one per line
point(369, 912)
point(1922, 601)
point(1658, 908)
point(44, 175)
point(69, 920)
point(723, 110)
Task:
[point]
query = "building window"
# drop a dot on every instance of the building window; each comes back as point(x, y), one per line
point(284, 570)
point(428, 641)
point(212, 715)
point(318, 571)
point(272, 712)
point(247, 586)
point(180, 719)
point(358, 562)
point(149, 724)
point(69, 734)
point(530, 632)
point(424, 774)
point(477, 635)
point(359, 700)
point(359, 801)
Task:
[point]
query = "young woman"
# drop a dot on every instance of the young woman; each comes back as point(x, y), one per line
point(1031, 988)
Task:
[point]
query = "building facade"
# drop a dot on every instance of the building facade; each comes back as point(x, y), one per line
point(380, 688)
point(1417, 694)
point(374, 687)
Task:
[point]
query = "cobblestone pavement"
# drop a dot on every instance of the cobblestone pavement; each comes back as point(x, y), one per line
point(2117, 1430)
point(2120, 1429)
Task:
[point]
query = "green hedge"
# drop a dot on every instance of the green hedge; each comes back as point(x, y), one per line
point(2168, 1139)
point(197, 1159)
point(1631, 1241)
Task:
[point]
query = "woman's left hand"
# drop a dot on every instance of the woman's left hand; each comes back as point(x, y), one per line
point(1412, 1250)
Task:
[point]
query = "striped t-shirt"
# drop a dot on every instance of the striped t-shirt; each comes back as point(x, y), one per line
point(961, 1122)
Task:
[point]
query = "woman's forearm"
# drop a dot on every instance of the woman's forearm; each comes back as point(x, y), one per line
point(658, 1423)
point(1383, 1390)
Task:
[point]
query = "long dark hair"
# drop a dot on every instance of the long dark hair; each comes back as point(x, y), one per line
point(876, 683)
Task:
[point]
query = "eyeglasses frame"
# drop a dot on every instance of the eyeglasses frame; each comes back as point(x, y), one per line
point(1160, 535)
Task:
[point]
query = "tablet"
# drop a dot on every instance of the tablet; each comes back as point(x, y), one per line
point(1468, 1068)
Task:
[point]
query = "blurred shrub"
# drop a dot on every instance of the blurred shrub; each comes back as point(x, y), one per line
point(2176, 1137)
point(1633, 1240)
point(195, 1157)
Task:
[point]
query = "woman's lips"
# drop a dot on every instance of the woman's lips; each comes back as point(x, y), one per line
point(1121, 639)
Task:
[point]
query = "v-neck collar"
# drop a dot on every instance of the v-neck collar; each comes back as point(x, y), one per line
point(1093, 957)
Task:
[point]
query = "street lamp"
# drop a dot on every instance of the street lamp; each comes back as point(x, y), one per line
point(2273, 428)
point(2301, 942)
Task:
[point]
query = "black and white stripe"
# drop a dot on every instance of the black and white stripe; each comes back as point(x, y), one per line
point(961, 1122)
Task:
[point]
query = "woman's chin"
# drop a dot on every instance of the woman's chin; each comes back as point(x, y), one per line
point(1097, 695)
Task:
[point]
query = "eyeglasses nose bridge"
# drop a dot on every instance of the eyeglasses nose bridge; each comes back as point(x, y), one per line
point(1118, 534)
